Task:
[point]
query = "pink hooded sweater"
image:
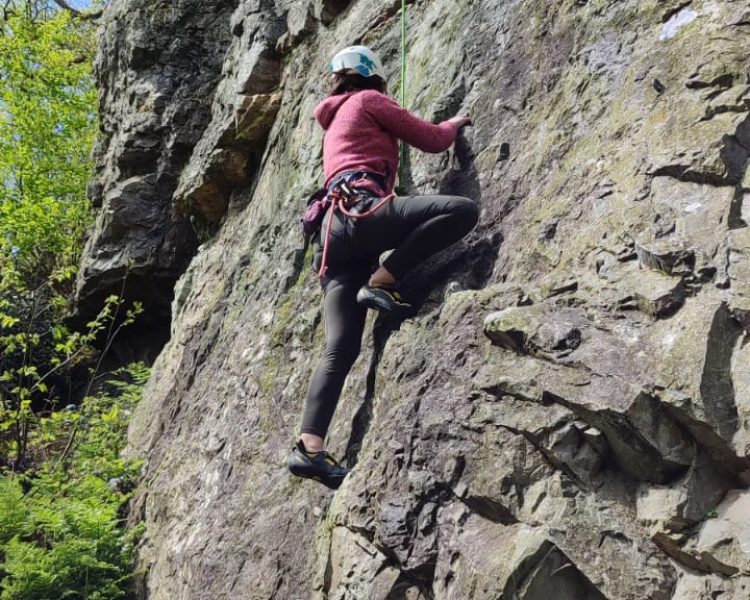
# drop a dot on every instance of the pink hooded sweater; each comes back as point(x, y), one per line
point(362, 132)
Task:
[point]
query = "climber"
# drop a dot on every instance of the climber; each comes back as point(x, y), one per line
point(360, 160)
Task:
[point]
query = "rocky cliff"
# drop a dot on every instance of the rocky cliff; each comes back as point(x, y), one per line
point(568, 416)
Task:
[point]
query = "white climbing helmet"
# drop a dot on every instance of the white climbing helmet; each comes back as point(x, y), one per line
point(361, 59)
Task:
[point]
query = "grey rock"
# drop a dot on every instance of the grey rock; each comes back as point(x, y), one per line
point(739, 273)
point(156, 69)
point(726, 535)
point(711, 587)
point(685, 502)
point(557, 427)
point(243, 111)
point(666, 255)
point(528, 330)
point(658, 296)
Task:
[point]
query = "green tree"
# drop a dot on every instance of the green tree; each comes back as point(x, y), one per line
point(47, 128)
point(64, 485)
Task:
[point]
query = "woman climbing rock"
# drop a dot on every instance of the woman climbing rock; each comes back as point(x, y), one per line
point(360, 160)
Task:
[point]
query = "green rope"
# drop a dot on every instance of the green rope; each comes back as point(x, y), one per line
point(402, 158)
point(403, 53)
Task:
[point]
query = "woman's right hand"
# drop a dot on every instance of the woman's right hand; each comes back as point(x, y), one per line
point(460, 120)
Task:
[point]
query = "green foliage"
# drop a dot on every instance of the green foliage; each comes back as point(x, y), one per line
point(21, 381)
point(64, 489)
point(47, 129)
point(63, 538)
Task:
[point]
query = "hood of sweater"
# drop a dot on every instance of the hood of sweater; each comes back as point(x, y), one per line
point(326, 110)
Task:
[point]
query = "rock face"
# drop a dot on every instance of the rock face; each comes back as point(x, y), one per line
point(157, 68)
point(567, 416)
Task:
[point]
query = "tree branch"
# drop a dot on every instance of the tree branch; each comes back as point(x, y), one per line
point(86, 16)
point(7, 9)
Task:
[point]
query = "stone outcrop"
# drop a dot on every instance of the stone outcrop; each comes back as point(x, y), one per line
point(567, 415)
point(157, 69)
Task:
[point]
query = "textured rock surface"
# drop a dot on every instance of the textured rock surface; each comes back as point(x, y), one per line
point(569, 409)
point(157, 68)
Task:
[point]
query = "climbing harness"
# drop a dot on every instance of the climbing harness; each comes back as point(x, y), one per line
point(344, 195)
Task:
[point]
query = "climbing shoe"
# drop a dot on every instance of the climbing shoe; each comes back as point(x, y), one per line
point(383, 298)
point(319, 466)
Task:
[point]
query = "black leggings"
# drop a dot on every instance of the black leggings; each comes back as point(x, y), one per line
point(416, 226)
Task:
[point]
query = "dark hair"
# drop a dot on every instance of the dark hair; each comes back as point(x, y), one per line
point(340, 83)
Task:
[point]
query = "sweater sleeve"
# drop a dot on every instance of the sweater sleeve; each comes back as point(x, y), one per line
point(416, 132)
